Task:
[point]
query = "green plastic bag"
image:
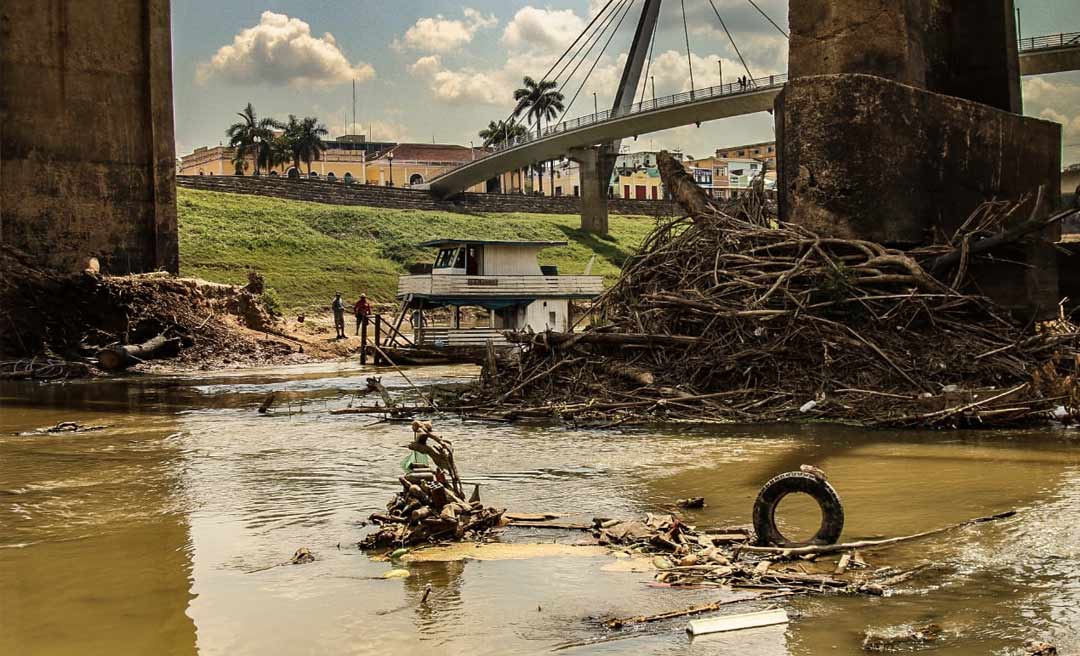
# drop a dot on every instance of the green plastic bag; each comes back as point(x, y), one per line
point(413, 459)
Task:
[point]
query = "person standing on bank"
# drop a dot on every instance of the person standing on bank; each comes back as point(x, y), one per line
point(362, 310)
point(338, 306)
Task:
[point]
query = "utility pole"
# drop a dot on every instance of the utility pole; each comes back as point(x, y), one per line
point(353, 127)
point(1019, 32)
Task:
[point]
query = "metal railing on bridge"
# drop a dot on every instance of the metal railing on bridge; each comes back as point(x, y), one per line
point(686, 97)
point(1063, 40)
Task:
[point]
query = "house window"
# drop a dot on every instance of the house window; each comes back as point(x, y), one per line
point(551, 320)
point(577, 191)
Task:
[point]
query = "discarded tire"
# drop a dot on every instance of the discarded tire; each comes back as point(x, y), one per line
point(832, 512)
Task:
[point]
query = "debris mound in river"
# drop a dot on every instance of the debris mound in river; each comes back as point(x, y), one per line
point(431, 506)
point(55, 324)
point(730, 315)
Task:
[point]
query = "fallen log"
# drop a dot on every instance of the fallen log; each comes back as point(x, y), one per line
point(118, 357)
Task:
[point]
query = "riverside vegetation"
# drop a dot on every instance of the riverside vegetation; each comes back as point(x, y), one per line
point(307, 251)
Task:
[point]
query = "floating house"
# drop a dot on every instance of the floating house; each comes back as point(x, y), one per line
point(503, 277)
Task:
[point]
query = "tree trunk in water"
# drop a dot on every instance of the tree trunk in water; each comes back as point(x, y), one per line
point(116, 358)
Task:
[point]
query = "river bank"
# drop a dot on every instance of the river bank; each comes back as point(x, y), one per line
point(144, 537)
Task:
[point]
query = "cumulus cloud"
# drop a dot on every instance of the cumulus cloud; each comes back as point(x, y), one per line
point(535, 36)
point(1057, 98)
point(282, 50)
point(461, 86)
point(542, 29)
point(374, 130)
point(439, 34)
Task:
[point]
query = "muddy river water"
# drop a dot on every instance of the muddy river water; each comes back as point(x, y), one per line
point(155, 535)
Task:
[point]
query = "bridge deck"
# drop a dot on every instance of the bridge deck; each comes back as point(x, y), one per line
point(1038, 55)
point(1056, 53)
point(642, 118)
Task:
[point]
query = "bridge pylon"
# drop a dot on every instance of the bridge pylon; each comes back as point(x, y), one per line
point(597, 163)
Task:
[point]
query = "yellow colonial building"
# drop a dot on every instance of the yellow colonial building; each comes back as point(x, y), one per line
point(352, 158)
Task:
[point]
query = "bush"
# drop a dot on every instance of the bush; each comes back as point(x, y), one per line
point(272, 302)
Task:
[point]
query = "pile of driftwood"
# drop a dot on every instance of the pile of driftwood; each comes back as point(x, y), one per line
point(728, 558)
point(729, 315)
point(62, 325)
point(431, 506)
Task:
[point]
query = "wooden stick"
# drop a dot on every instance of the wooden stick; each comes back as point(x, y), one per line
point(431, 403)
point(787, 552)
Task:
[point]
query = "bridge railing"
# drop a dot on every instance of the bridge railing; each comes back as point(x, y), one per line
point(1062, 40)
point(730, 89)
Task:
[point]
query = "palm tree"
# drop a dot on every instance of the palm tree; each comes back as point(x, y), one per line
point(305, 139)
point(499, 132)
point(244, 135)
point(239, 162)
point(539, 101)
point(280, 152)
point(264, 146)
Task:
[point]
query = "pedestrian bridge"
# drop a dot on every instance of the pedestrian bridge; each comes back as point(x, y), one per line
point(1050, 54)
point(1038, 55)
point(555, 141)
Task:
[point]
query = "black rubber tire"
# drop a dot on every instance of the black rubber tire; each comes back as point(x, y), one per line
point(832, 512)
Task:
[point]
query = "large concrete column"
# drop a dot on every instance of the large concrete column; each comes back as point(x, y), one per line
point(87, 161)
point(901, 117)
point(594, 169)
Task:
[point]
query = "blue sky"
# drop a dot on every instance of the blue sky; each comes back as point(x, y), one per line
point(434, 69)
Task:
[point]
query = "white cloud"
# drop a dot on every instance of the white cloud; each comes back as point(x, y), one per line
point(542, 29)
point(374, 130)
point(461, 86)
point(282, 50)
point(439, 34)
point(1056, 98)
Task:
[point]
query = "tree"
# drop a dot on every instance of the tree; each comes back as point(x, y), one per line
point(280, 152)
point(500, 132)
point(239, 162)
point(304, 137)
point(252, 137)
point(264, 146)
point(538, 101)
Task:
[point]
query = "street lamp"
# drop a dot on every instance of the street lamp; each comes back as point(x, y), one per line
point(595, 107)
point(390, 158)
point(652, 78)
point(720, 63)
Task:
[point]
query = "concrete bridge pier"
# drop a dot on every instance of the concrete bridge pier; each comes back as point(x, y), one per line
point(595, 164)
point(900, 118)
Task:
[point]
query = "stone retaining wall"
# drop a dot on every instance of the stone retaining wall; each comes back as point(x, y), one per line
point(338, 193)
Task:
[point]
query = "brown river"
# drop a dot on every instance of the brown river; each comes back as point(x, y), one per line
point(159, 533)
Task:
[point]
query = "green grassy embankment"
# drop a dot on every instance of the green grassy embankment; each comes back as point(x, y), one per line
point(307, 251)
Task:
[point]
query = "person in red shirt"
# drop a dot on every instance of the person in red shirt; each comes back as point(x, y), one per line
point(362, 309)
